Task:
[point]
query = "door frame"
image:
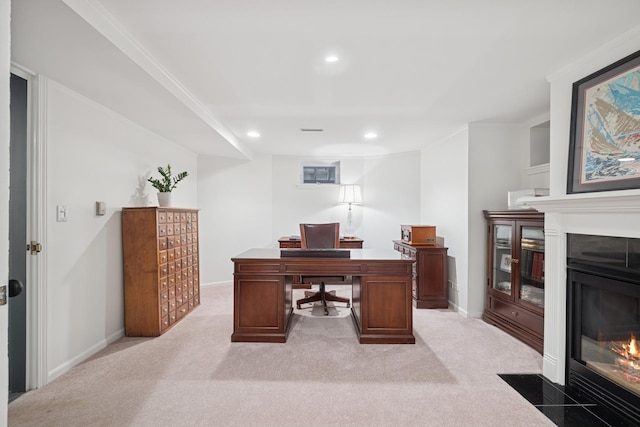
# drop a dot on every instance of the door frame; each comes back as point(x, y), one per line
point(36, 363)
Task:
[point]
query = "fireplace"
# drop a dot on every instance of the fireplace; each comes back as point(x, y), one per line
point(603, 321)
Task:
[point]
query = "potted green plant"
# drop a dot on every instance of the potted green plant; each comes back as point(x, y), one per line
point(166, 184)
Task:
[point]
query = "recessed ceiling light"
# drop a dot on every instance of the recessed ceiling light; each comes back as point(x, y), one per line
point(370, 135)
point(331, 58)
point(253, 134)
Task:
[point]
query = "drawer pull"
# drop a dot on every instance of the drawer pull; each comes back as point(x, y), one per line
point(515, 313)
point(184, 310)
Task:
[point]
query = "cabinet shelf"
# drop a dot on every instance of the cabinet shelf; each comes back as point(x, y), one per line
point(538, 283)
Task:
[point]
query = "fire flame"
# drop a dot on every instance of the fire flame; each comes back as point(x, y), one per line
point(631, 348)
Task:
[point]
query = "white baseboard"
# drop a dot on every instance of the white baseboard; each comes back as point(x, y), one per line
point(66, 367)
point(223, 283)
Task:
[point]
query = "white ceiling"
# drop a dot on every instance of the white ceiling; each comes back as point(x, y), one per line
point(204, 72)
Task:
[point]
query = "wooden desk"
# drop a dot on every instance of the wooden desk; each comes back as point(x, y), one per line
point(351, 243)
point(380, 304)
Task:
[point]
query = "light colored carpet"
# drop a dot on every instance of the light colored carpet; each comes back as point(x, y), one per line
point(194, 376)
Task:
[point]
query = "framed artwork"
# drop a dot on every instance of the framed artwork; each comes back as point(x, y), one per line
point(604, 146)
point(505, 263)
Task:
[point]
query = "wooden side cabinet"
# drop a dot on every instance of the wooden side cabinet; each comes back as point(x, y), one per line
point(515, 274)
point(429, 274)
point(161, 268)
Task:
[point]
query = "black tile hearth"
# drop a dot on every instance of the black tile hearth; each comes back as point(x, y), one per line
point(559, 404)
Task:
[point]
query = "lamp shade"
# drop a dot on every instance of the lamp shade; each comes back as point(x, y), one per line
point(350, 193)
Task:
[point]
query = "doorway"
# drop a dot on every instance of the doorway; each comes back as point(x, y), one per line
point(18, 235)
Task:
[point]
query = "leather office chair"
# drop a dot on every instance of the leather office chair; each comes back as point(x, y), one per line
point(321, 236)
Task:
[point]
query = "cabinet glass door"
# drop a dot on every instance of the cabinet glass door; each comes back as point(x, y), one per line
point(532, 265)
point(502, 258)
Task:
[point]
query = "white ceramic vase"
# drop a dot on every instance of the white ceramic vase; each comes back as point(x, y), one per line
point(164, 199)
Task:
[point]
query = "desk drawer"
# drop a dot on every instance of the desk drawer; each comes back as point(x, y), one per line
point(289, 245)
point(345, 244)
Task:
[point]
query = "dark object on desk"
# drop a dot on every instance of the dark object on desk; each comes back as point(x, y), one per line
point(315, 253)
point(291, 242)
point(323, 237)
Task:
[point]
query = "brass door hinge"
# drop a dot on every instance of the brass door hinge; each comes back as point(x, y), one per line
point(34, 247)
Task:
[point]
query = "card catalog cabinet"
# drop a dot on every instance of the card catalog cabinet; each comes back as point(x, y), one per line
point(161, 268)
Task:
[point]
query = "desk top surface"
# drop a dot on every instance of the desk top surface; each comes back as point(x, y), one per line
point(297, 239)
point(356, 254)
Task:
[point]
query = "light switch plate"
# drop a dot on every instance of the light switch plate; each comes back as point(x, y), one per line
point(101, 208)
point(61, 213)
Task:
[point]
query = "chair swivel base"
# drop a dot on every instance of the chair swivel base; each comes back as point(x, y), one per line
point(323, 296)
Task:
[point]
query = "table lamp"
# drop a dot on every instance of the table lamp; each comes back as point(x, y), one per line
point(349, 194)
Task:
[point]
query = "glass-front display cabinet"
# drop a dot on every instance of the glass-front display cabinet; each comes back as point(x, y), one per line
point(515, 274)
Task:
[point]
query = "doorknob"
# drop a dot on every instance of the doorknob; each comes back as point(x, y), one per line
point(15, 287)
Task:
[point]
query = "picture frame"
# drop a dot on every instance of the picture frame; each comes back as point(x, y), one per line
point(505, 263)
point(604, 138)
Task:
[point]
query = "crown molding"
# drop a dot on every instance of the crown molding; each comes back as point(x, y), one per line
point(96, 15)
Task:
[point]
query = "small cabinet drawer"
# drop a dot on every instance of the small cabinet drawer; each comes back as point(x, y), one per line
point(517, 314)
point(182, 310)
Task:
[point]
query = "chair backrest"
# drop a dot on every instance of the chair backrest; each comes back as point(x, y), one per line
point(320, 236)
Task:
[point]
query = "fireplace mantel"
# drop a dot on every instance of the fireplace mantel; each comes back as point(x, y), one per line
point(613, 202)
point(608, 213)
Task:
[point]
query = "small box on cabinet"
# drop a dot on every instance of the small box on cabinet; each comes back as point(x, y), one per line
point(418, 234)
point(513, 197)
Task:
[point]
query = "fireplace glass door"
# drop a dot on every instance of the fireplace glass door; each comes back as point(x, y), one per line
point(604, 320)
point(608, 327)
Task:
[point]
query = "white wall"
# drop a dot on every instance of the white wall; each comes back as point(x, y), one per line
point(493, 172)
point(235, 201)
point(5, 8)
point(294, 203)
point(445, 204)
point(93, 155)
point(391, 197)
point(463, 175)
point(247, 204)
